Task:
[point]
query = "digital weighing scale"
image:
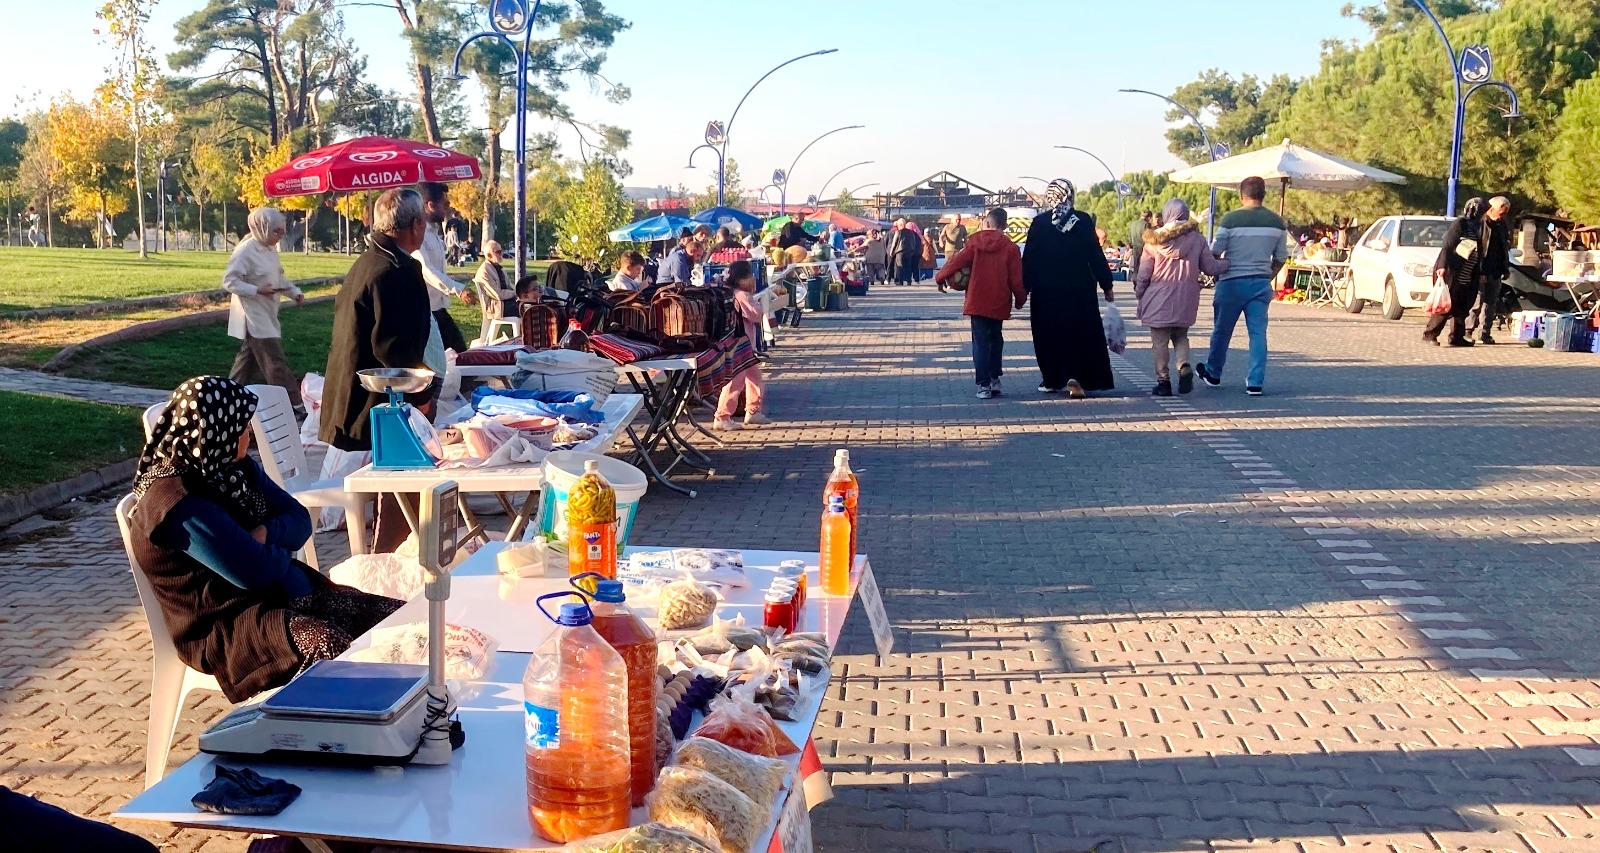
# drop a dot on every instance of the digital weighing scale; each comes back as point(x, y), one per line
point(395, 445)
point(364, 713)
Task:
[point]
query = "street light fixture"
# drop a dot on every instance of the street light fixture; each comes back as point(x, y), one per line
point(1116, 185)
point(511, 21)
point(783, 204)
point(1473, 66)
point(822, 193)
point(718, 133)
point(1205, 137)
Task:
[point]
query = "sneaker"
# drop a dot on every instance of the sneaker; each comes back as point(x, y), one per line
point(1486, 340)
point(1163, 388)
point(723, 423)
point(1253, 390)
point(1207, 377)
point(1185, 379)
point(1460, 342)
point(1075, 390)
point(987, 393)
point(755, 419)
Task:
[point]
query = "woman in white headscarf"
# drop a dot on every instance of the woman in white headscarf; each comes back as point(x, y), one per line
point(1061, 267)
point(255, 278)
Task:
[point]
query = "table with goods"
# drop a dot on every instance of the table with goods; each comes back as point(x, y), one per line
point(617, 699)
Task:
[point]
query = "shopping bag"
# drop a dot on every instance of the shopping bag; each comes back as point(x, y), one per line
point(1438, 299)
point(1116, 330)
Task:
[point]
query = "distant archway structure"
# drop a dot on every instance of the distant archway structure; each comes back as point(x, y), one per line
point(944, 193)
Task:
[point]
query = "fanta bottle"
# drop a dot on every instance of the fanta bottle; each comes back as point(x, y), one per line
point(592, 524)
point(842, 483)
point(575, 693)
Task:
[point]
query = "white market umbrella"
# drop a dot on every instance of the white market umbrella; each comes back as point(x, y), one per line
point(1291, 166)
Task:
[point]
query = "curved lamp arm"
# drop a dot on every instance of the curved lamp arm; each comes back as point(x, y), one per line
point(1516, 109)
point(803, 151)
point(727, 129)
point(1205, 136)
point(822, 192)
point(697, 151)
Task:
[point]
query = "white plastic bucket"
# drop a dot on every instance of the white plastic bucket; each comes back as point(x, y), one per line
point(1568, 264)
point(561, 472)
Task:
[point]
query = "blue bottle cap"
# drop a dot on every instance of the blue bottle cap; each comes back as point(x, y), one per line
point(609, 591)
point(573, 615)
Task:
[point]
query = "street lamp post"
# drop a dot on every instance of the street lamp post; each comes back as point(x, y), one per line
point(717, 133)
point(1472, 66)
point(1205, 137)
point(822, 193)
point(511, 21)
point(783, 203)
point(1115, 188)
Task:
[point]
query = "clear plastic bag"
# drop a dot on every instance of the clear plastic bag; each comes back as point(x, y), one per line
point(699, 802)
point(738, 721)
point(758, 778)
point(645, 838)
point(467, 651)
point(685, 604)
point(1116, 330)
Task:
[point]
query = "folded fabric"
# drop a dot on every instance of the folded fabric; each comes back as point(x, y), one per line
point(490, 356)
point(572, 405)
point(623, 350)
point(243, 791)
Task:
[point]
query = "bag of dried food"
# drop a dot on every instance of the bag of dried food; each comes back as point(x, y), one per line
point(692, 799)
point(738, 721)
point(684, 604)
point(644, 838)
point(758, 778)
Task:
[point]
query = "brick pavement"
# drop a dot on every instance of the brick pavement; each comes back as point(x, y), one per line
point(1110, 638)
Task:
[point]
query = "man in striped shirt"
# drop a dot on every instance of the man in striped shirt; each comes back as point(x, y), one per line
point(1256, 244)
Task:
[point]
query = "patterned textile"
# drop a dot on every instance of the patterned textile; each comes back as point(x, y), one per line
point(1060, 196)
point(623, 350)
point(197, 438)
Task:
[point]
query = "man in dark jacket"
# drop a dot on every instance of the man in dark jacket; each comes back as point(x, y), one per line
point(380, 319)
point(905, 254)
point(794, 234)
point(1496, 265)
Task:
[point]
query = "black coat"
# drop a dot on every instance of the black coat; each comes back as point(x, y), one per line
point(905, 248)
point(1061, 271)
point(793, 234)
point(380, 319)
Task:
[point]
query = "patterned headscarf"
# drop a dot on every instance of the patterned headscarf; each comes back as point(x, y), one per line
point(1060, 196)
point(197, 439)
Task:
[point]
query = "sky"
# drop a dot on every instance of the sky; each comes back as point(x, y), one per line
point(982, 91)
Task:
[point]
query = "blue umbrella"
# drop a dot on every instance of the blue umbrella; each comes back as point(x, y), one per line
point(730, 217)
point(660, 227)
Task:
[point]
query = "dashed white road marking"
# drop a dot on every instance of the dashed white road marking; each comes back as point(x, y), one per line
point(1496, 653)
point(1375, 585)
point(1456, 634)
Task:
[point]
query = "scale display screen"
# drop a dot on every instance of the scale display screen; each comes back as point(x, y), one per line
point(349, 690)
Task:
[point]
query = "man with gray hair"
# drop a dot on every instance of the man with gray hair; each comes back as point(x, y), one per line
point(381, 318)
point(1496, 265)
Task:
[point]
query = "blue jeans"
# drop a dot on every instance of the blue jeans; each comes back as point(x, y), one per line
point(987, 349)
point(1249, 296)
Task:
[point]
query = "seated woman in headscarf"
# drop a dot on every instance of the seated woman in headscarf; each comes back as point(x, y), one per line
point(216, 538)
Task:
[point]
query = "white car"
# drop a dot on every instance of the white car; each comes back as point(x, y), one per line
point(1392, 264)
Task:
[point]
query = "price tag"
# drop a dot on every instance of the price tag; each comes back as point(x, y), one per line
point(872, 601)
point(794, 824)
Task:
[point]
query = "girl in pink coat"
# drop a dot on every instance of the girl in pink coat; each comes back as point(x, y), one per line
point(1168, 290)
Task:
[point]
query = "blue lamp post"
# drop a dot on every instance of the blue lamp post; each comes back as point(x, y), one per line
point(1211, 150)
point(783, 202)
point(1473, 66)
point(1116, 185)
point(511, 21)
point(717, 132)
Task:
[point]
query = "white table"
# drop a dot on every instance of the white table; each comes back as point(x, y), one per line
point(1583, 303)
point(502, 481)
point(478, 801)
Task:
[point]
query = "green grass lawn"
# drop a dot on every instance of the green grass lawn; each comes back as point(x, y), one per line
point(50, 278)
point(51, 439)
point(165, 360)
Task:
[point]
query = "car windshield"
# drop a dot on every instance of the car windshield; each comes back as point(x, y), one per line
point(1422, 232)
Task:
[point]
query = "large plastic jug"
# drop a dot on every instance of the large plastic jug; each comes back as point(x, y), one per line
point(576, 737)
point(632, 637)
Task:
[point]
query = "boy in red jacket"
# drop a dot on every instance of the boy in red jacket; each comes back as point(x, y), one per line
point(994, 285)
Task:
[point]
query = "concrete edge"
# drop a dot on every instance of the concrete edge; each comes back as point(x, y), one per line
point(146, 329)
point(16, 507)
point(166, 300)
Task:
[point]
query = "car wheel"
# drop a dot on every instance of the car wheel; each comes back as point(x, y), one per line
point(1391, 302)
point(1354, 305)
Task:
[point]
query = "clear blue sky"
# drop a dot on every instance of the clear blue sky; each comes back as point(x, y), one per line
point(982, 90)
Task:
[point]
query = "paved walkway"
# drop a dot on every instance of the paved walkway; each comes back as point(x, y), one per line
point(34, 382)
point(1358, 612)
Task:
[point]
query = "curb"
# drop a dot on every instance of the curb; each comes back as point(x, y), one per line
point(147, 329)
point(14, 508)
point(168, 300)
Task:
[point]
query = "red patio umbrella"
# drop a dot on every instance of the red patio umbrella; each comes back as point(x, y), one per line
point(846, 222)
point(369, 163)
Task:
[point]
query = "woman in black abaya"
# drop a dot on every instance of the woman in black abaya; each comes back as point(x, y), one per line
point(1061, 267)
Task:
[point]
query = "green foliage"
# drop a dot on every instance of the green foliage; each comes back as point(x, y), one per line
point(13, 137)
point(734, 186)
point(592, 207)
point(1391, 16)
point(1150, 192)
point(65, 438)
point(48, 278)
point(1575, 153)
point(1238, 112)
point(844, 202)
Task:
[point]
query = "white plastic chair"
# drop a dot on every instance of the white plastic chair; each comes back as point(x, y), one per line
point(151, 415)
point(283, 457)
point(171, 680)
point(496, 327)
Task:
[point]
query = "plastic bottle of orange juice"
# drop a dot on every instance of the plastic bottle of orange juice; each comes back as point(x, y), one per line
point(842, 482)
point(575, 697)
point(835, 548)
